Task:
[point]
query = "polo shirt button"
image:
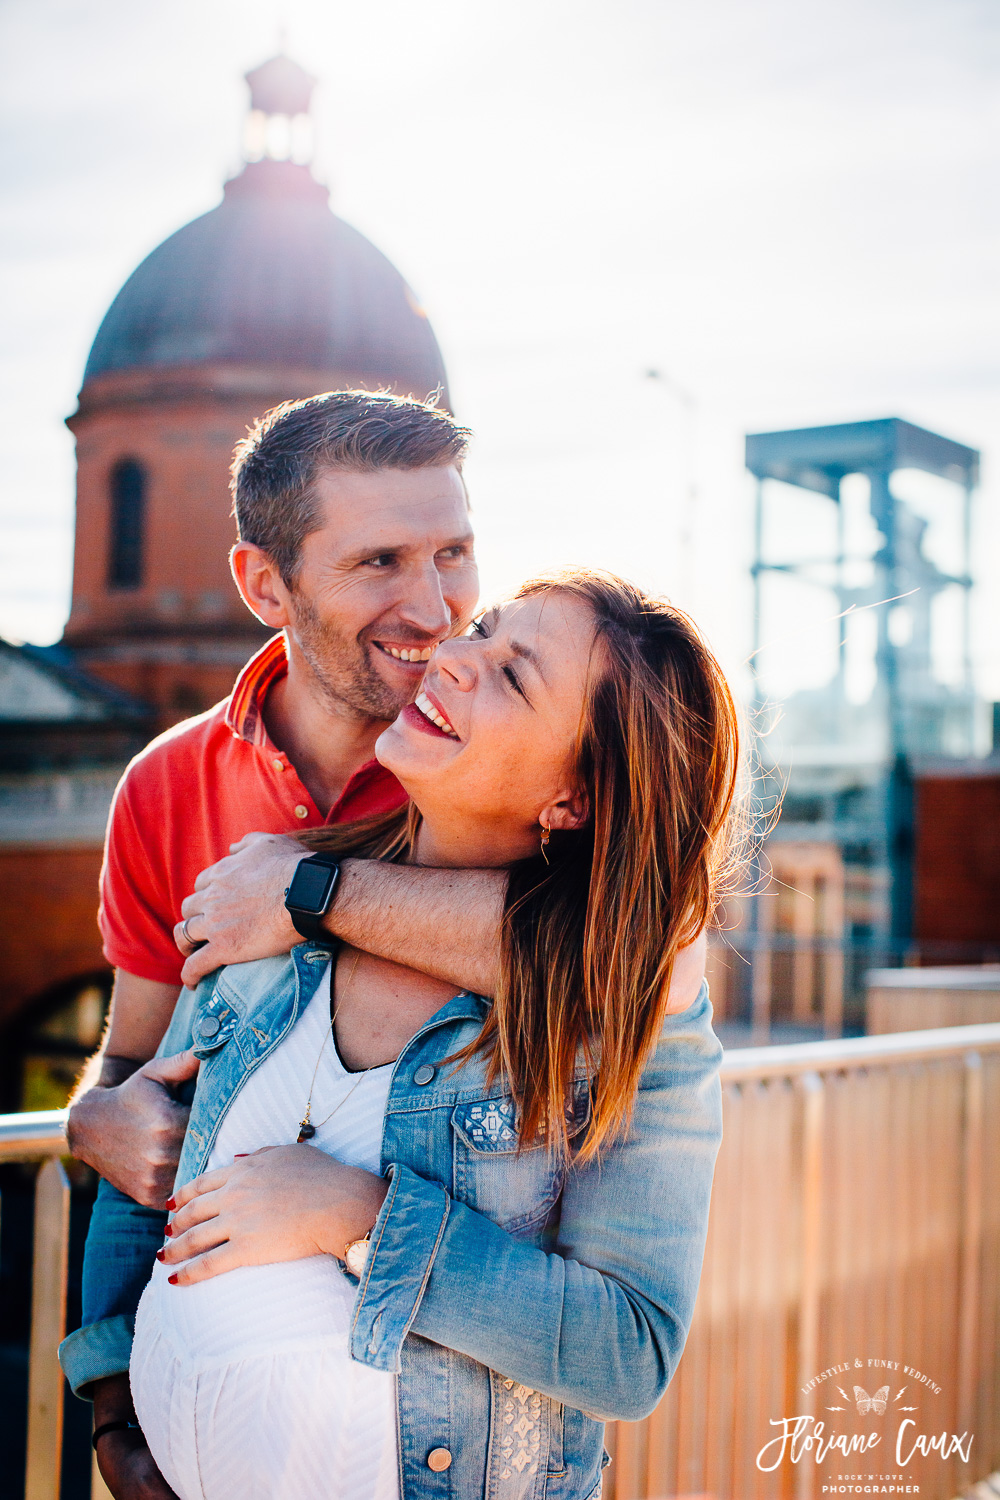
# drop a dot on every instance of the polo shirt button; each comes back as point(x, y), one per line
point(424, 1074)
point(301, 812)
point(279, 765)
point(439, 1459)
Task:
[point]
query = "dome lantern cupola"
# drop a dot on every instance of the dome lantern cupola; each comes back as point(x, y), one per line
point(279, 126)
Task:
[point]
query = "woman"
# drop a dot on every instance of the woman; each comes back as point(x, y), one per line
point(519, 1189)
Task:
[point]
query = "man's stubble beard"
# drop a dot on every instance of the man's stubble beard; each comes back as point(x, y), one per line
point(341, 667)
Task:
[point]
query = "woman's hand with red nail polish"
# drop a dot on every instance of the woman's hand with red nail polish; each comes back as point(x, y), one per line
point(279, 1204)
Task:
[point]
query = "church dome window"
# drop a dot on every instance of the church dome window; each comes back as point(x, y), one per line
point(127, 493)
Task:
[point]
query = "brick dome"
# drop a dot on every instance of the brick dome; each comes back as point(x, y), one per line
point(272, 278)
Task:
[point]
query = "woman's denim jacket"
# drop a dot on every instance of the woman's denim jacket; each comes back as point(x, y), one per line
point(521, 1303)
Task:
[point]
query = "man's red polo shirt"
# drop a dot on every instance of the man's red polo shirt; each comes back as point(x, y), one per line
point(190, 794)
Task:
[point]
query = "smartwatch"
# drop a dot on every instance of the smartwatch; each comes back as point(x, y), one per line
point(310, 895)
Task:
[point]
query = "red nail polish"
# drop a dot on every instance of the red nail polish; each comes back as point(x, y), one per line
point(172, 1280)
point(168, 1230)
point(159, 1254)
point(170, 1205)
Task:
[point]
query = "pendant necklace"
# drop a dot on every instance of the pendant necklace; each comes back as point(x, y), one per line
point(306, 1128)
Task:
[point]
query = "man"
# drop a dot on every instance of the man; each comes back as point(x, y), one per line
point(354, 540)
point(355, 543)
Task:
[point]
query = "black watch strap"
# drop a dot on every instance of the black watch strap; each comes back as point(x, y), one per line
point(309, 926)
point(307, 908)
point(121, 1426)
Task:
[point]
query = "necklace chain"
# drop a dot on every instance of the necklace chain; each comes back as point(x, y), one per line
point(306, 1127)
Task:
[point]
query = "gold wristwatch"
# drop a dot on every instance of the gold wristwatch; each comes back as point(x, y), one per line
point(356, 1255)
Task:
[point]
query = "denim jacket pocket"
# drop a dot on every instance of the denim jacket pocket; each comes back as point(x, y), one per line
point(515, 1188)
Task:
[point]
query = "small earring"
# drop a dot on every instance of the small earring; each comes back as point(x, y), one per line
point(545, 841)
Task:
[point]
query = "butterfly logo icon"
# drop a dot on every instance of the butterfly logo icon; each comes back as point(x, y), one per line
point(868, 1403)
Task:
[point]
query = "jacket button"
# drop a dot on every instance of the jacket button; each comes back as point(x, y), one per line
point(439, 1459)
point(424, 1074)
point(209, 1026)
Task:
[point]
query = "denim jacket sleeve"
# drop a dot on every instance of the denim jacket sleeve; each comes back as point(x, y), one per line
point(122, 1242)
point(599, 1323)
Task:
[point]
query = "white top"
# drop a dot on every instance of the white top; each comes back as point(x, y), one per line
point(243, 1384)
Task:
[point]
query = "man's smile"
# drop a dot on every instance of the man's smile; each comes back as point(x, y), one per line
point(418, 655)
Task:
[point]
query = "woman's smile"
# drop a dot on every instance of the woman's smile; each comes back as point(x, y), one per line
point(423, 714)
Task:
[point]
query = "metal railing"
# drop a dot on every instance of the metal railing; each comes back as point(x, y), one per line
point(851, 1217)
point(28, 1138)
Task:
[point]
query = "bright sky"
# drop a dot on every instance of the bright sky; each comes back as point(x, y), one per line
point(788, 207)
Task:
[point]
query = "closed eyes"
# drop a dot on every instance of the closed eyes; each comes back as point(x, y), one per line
point(511, 677)
point(508, 671)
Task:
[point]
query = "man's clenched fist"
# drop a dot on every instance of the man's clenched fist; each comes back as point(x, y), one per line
point(132, 1133)
point(237, 910)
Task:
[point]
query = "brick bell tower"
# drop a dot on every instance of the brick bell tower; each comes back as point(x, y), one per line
point(268, 297)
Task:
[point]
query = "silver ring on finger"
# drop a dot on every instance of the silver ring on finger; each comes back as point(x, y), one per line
point(185, 934)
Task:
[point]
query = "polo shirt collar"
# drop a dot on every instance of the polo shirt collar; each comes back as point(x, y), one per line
point(245, 721)
point(244, 716)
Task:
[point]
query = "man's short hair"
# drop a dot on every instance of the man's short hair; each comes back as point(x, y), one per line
point(274, 467)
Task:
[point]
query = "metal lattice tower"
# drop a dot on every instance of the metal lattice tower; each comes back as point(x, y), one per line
point(918, 715)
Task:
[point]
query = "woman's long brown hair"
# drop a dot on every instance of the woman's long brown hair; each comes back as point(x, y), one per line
point(588, 940)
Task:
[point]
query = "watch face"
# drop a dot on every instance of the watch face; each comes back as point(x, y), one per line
point(311, 887)
point(356, 1256)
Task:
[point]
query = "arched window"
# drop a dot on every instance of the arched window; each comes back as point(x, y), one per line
point(128, 516)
